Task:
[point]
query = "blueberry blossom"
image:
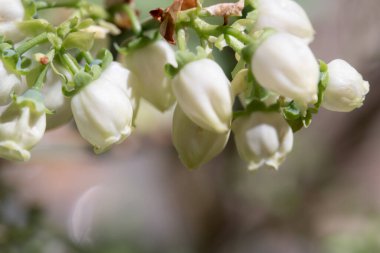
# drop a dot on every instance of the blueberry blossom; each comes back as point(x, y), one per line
point(11, 12)
point(56, 102)
point(194, 144)
point(204, 94)
point(345, 89)
point(102, 110)
point(148, 65)
point(262, 138)
point(22, 125)
point(9, 84)
point(284, 16)
point(285, 65)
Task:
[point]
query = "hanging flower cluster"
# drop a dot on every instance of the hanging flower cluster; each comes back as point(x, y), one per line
point(50, 74)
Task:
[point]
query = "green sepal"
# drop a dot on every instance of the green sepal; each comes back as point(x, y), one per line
point(129, 46)
point(10, 58)
point(256, 106)
point(105, 56)
point(295, 117)
point(34, 27)
point(184, 57)
point(323, 81)
point(66, 27)
point(258, 38)
point(81, 79)
point(80, 40)
point(33, 99)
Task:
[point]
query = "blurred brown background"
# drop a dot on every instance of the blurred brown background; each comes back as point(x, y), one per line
point(139, 198)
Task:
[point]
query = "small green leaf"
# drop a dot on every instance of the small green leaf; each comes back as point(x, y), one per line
point(81, 79)
point(80, 40)
point(85, 23)
point(34, 27)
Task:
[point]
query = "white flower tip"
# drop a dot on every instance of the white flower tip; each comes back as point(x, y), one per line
point(113, 140)
point(11, 151)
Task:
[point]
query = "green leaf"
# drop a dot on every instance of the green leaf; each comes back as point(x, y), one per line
point(66, 27)
point(80, 40)
point(34, 27)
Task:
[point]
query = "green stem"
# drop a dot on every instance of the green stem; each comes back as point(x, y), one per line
point(42, 38)
point(88, 57)
point(136, 26)
point(70, 63)
point(181, 39)
point(42, 5)
point(243, 37)
point(234, 43)
point(41, 77)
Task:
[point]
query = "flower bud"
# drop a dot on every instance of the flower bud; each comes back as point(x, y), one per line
point(11, 11)
point(148, 64)
point(102, 110)
point(262, 138)
point(285, 65)
point(22, 125)
point(345, 89)
point(55, 101)
point(284, 16)
point(194, 144)
point(204, 94)
point(9, 84)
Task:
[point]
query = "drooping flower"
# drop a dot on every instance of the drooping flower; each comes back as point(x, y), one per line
point(285, 65)
point(345, 89)
point(194, 144)
point(102, 110)
point(9, 84)
point(204, 94)
point(148, 65)
point(56, 102)
point(22, 125)
point(11, 12)
point(284, 16)
point(262, 138)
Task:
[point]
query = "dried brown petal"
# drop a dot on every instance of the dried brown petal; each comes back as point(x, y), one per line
point(226, 9)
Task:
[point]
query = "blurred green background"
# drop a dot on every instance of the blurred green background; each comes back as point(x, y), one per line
point(138, 198)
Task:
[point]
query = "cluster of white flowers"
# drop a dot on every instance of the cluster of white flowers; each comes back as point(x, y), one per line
point(281, 63)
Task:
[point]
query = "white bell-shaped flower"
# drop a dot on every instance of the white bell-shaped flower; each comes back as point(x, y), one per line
point(56, 102)
point(345, 89)
point(11, 12)
point(102, 110)
point(204, 94)
point(285, 65)
point(263, 138)
point(194, 144)
point(9, 84)
point(148, 64)
point(22, 125)
point(284, 16)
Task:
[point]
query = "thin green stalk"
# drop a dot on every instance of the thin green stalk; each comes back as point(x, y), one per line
point(181, 39)
point(42, 5)
point(136, 26)
point(41, 77)
point(42, 38)
point(69, 62)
